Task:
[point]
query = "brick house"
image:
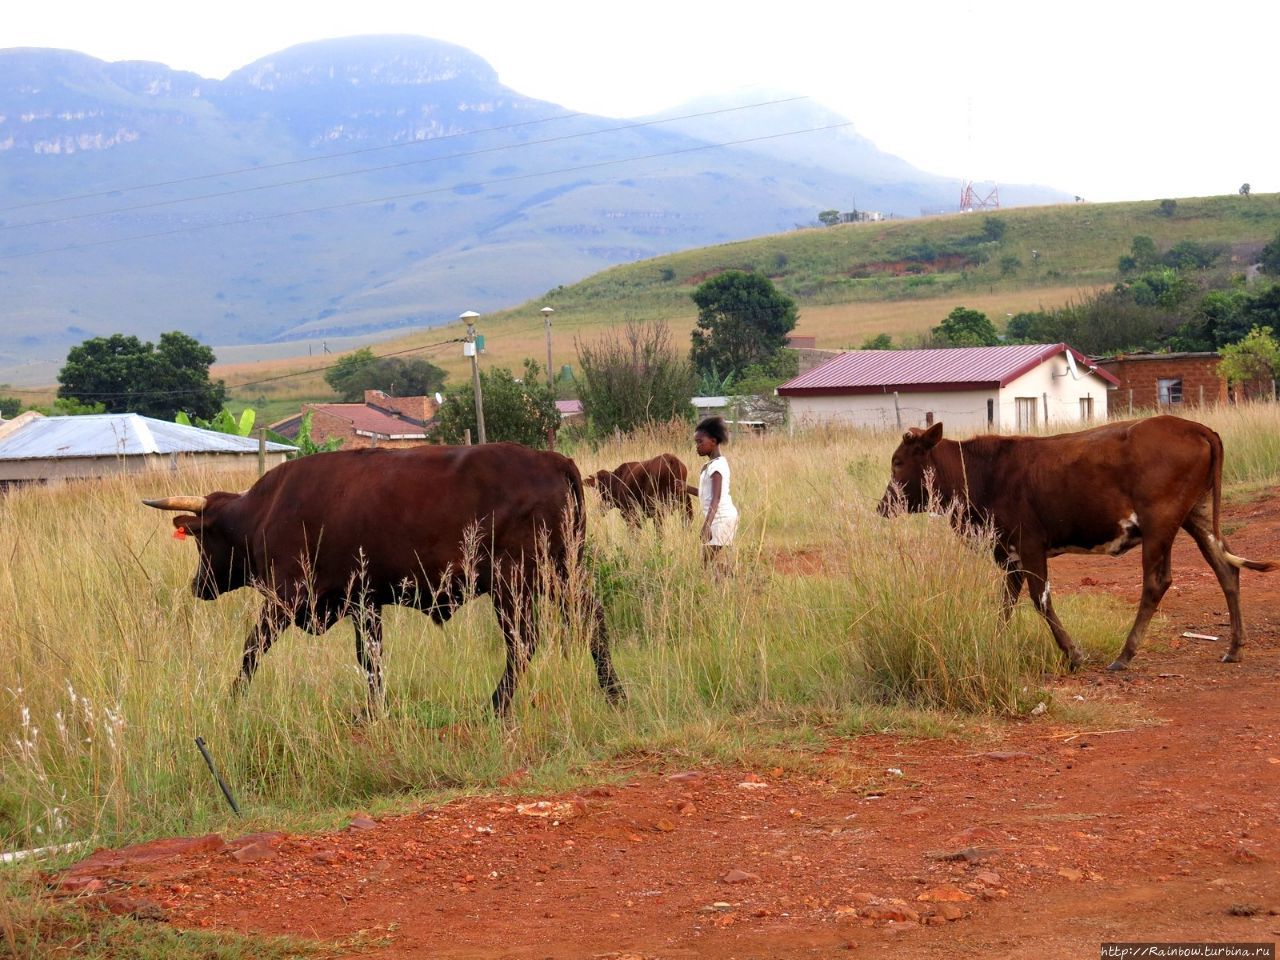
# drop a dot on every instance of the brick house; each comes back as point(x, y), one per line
point(380, 421)
point(1169, 380)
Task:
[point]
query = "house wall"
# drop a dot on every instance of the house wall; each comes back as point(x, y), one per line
point(1139, 380)
point(1057, 395)
point(962, 411)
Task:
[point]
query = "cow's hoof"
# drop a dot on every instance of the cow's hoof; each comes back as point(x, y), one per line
point(1232, 657)
point(1075, 663)
point(1115, 666)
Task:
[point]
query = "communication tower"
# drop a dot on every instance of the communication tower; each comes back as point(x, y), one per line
point(971, 200)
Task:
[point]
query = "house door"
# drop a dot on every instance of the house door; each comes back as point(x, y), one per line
point(1026, 410)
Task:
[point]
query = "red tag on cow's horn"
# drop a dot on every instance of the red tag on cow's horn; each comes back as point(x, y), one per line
point(180, 533)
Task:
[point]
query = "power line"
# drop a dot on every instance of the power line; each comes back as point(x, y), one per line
point(140, 394)
point(366, 170)
point(421, 193)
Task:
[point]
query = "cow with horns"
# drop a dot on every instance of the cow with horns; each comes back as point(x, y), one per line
point(645, 488)
point(1104, 490)
point(346, 533)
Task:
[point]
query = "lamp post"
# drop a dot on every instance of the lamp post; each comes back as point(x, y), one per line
point(546, 316)
point(469, 348)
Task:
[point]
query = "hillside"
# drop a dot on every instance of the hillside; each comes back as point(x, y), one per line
point(851, 281)
point(350, 187)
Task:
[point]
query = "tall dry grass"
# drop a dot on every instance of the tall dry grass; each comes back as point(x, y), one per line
point(109, 667)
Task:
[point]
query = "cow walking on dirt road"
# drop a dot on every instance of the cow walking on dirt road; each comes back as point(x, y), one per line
point(1104, 490)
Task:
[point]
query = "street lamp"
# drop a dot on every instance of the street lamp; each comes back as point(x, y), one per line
point(469, 349)
point(546, 316)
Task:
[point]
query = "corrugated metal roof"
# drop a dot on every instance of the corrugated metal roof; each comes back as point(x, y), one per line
point(119, 435)
point(362, 417)
point(569, 408)
point(950, 368)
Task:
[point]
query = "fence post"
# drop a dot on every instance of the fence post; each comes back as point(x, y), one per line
point(262, 450)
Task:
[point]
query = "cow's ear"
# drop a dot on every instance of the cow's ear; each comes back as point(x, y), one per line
point(589, 481)
point(931, 436)
point(187, 524)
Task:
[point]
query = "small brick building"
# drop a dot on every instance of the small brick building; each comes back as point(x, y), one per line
point(1168, 380)
point(380, 421)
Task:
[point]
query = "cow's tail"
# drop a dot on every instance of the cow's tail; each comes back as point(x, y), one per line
point(1216, 457)
point(573, 477)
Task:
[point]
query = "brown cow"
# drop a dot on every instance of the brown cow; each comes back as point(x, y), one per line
point(346, 533)
point(1103, 490)
point(644, 489)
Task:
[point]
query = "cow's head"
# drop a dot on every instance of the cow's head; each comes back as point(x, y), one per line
point(224, 562)
point(610, 487)
point(908, 481)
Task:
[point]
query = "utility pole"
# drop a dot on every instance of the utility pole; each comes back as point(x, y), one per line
point(546, 316)
point(469, 349)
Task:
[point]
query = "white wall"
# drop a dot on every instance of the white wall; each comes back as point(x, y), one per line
point(1056, 392)
point(964, 411)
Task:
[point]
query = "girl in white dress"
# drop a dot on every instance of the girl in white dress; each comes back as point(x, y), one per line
point(720, 516)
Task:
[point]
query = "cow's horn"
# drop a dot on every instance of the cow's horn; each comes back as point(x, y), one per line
point(192, 504)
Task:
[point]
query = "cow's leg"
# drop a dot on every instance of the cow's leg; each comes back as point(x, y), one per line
point(273, 618)
point(1157, 574)
point(1014, 577)
point(600, 653)
point(1035, 567)
point(1200, 525)
point(515, 614)
point(368, 630)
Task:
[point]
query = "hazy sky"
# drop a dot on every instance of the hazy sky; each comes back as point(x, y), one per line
point(1109, 100)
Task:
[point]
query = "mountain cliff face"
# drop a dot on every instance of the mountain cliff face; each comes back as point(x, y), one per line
point(366, 184)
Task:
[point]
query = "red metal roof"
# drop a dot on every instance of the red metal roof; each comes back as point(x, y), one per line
point(363, 419)
point(950, 368)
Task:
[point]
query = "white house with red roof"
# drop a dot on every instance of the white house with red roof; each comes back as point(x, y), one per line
point(1014, 389)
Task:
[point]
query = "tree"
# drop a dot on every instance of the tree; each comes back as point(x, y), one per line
point(742, 319)
point(1244, 189)
point(1269, 261)
point(1167, 208)
point(966, 328)
point(523, 412)
point(9, 407)
point(881, 341)
point(360, 370)
point(829, 218)
point(126, 375)
point(224, 422)
point(303, 443)
point(1256, 357)
point(634, 376)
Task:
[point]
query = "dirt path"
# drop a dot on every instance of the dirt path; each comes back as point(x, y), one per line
point(1044, 844)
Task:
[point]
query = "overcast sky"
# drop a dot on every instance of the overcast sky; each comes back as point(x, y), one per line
point(1109, 100)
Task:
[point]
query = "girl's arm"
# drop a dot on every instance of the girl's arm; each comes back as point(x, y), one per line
point(716, 481)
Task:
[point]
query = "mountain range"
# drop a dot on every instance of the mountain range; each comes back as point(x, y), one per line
point(360, 185)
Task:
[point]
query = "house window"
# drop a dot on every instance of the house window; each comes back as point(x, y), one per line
point(1026, 410)
point(991, 412)
point(928, 418)
point(1086, 408)
point(1169, 391)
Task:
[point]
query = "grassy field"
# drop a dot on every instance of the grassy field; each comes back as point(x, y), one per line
point(840, 277)
point(834, 622)
point(109, 669)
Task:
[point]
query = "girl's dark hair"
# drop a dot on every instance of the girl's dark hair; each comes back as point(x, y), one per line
point(715, 428)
